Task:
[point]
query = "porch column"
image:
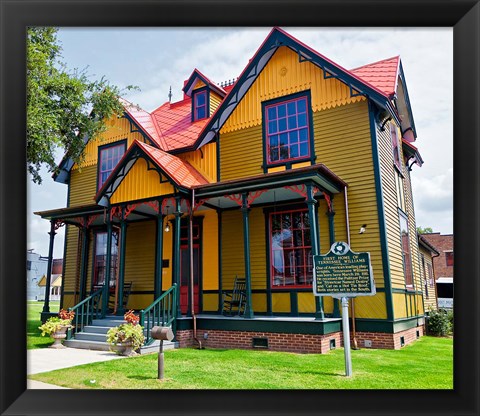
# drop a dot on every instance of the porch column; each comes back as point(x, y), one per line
point(46, 304)
point(331, 213)
point(84, 260)
point(121, 266)
point(246, 253)
point(314, 237)
point(176, 251)
point(108, 266)
point(157, 287)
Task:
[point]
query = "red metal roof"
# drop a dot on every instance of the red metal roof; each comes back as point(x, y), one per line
point(174, 123)
point(382, 75)
point(180, 171)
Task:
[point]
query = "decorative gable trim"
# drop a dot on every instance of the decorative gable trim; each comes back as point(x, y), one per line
point(274, 40)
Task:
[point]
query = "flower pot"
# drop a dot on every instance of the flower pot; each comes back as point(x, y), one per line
point(58, 336)
point(125, 348)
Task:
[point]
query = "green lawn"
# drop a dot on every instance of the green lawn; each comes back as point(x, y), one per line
point(34, 337)
point(426, 364)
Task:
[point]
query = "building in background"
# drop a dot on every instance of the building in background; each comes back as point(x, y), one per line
point(55, 281)
point(443, 266)
point(36, 268)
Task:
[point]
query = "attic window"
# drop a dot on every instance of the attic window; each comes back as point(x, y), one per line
point(200, 105)
point(109, 156)
point(395, 146)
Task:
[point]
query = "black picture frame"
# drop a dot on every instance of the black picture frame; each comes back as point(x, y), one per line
point(16, 15)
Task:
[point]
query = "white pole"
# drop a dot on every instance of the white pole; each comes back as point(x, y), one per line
point(346, 337)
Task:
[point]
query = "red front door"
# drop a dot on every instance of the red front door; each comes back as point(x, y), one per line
point(185, 277)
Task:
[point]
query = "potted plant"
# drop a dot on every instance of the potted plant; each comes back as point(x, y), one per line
point(127, 337)
point(57, 327)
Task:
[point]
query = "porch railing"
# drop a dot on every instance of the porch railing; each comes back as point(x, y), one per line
point(162, 312)
point(88, 309)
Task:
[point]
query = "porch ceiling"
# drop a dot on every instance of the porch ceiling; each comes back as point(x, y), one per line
point(271, 187)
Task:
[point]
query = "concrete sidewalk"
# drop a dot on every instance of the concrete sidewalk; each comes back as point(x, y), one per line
point(48, 359)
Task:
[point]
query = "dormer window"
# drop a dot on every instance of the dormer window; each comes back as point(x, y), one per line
point(200, 105)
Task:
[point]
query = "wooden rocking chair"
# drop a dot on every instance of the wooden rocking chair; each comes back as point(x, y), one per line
point(234, 300)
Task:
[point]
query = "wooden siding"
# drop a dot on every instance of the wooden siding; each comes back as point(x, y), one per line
point(306, 302)
point(209, 250)
point(235, 147)
point(83, 186)
point(281, 302)
point(215, 101)
point(204, 160)
point(140, 183)
point(391, 205)
point(337, 131)
point(140, 261)
point(430, 301)
point(284, 75)
point(232, 248)
point(117, 129)
point(70, 265)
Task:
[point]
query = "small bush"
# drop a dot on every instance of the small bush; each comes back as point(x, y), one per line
point(450, 318)
point(439, 323)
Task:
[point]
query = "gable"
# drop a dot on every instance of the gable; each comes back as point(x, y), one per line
point(284, 74)
point(141, 181)
point(117, 129)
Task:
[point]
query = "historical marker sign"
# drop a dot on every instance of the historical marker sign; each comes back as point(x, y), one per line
point(343, 273)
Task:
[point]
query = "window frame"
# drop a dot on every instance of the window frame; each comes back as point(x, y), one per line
point(201, 91)
point(303, 95)
point(114, 258)
point(118, 143)
point(279, 287)
point(409, 278)
point(449, 258)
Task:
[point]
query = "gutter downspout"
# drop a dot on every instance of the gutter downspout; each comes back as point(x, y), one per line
point(354, 334)
point(190, 232)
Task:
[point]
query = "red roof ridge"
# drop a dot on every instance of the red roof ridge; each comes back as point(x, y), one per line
point(376, 62)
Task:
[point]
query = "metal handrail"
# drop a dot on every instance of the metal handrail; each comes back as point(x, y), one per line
point(162, 312)
point(88, 309)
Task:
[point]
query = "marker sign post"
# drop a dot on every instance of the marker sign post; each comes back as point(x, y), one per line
point(343, 274)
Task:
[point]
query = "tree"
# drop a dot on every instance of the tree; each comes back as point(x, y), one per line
point(63, 107)
point(426, 230)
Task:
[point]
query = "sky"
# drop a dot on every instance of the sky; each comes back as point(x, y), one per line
point(155, 59)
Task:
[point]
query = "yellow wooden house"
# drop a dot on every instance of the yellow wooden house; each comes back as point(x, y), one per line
point(249, 180)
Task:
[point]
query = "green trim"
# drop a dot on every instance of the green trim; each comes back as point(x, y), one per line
point(266, 216)
point(158, 254)
point(121, 267)
point(378, 325)
point(381, 213)
point(248, 313)
point(220, 279)
point(83, 261)
point(276, 325)
point(176, 252)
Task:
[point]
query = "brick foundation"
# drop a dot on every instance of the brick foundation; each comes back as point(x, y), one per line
point(382, 340)
point(298, 343)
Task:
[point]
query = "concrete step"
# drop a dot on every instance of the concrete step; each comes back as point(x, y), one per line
point(87, 345)
point(86, 336)
point(91, 329)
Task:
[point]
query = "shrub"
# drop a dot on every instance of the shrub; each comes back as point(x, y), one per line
point(450, 318)
point(439, 323)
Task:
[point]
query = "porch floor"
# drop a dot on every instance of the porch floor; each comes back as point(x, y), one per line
point(265, 318)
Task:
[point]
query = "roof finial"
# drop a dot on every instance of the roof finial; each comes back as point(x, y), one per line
point(170, 95)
